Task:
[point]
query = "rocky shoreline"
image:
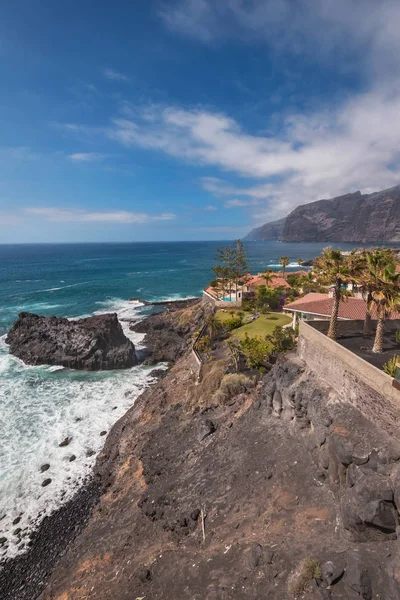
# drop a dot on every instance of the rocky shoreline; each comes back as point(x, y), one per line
point(25, 576)
point(277, 491)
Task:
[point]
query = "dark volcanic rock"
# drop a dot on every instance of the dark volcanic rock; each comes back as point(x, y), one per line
point(65, 442)
point(89, 344)
point(169, 335)
point(353, 217)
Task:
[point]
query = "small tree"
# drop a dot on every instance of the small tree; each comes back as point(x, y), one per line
point(281, 340)
point(261, 296)
point(231, 266)
point(256, 351)
point(240, 262)
point(365, 267)
point(284, 261)
point(385, 299)
point(331, 267)
point(273, 297)
point(214, 327)
point(234, 349)
point(299, 261)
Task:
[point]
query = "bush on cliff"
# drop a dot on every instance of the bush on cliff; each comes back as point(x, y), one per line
point(301, 581)
point(232, 385)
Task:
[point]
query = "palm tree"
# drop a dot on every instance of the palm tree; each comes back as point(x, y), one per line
point(284, 261)
point(299, 261)
point(214, 326)
point(269, 277)
point(365, 266)
point(331, 267)
point(384, 284)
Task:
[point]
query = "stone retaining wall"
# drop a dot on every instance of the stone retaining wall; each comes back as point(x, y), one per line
point(356, 381)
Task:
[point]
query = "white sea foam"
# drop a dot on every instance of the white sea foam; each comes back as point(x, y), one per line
point(39, 408)
point(173, 297)
point(290, 265)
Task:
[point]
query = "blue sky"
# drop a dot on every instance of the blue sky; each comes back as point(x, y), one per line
point(190, 119)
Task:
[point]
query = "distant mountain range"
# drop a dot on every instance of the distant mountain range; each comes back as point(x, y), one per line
point(354, 217)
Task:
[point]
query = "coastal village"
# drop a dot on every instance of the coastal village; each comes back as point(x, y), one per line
point(358, 287)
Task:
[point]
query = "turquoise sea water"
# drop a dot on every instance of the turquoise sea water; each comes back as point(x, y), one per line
point(40, 406)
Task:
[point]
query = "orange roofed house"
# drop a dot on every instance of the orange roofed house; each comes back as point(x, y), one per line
point(319, 307)
point(254, 281)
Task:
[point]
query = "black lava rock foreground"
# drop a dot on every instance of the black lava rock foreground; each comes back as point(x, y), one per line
point(92, 344)
point(285, 492)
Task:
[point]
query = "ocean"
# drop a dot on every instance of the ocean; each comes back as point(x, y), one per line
point(41, 406)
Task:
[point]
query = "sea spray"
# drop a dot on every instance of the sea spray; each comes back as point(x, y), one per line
point(41, 407)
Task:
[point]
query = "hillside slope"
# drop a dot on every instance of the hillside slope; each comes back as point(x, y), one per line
point(204, 499)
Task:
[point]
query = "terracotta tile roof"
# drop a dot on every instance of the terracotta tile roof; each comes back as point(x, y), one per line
point(321, 304)
point(276, 282)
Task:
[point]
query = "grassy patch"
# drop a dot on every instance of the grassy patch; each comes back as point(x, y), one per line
point(264, 325)
point(309, 569)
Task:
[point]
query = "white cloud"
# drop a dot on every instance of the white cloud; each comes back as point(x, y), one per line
point(210, 208)
point(9, 219)
point(87, 156)
point(322, 29)
point(240, 203)
point(63, 215)
point(352, 147)
point(113, 75)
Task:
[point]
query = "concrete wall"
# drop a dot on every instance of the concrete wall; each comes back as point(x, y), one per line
point(220, 303)
point(355, 326)
point(357, 382)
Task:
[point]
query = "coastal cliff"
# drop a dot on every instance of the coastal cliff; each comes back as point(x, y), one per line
point(282, 491)
point(353, 217)
point(268, 231)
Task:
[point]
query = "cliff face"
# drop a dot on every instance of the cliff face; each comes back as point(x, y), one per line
point(269, 231)
point(349, 218)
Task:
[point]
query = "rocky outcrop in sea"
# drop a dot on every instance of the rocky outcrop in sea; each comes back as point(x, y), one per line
point(90, 344)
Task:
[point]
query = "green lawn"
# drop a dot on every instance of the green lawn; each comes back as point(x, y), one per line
point(264, 325)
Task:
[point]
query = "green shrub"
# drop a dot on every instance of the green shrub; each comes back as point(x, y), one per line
point(233, 323)
point(390, 366)
point(232, 385)
point(248, 305)
point(204, 344)
point(256, 351)
point(397, 336)
point(301, 582)
point(265, 310)
point(281, 340)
